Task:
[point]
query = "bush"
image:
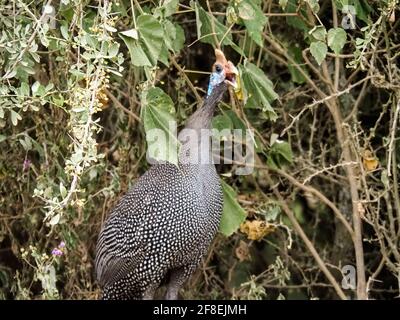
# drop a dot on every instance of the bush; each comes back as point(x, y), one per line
point(320, 88)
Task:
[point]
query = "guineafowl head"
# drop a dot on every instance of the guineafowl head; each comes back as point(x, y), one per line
point(222, 70)
point(223, 75)
point(194, 139)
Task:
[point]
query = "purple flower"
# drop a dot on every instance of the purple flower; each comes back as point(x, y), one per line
point(57, 252)
point(27, 164)
point(61, 245)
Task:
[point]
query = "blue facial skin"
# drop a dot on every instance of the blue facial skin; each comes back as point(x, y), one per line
point(215, 79)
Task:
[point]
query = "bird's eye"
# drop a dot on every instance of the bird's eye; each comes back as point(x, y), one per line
point(218, 68)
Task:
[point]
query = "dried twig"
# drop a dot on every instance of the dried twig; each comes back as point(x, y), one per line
point(392, 138)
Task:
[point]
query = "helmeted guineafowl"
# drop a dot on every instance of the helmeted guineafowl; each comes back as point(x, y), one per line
point(164, 225)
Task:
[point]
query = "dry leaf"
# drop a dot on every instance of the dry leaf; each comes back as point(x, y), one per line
point(256, 229)
point(370, 162)
point(242, 251)
point(103, 99)
point(392, 17)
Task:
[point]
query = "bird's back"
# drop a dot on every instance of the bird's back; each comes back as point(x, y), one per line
point(165, 221)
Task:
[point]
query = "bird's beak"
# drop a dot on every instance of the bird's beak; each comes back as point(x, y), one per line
point(231, 72)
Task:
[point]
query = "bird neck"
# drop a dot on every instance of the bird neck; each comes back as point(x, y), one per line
point(201, 119)
point(195, 138)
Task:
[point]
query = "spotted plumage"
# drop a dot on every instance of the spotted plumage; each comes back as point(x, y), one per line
point(162, 228)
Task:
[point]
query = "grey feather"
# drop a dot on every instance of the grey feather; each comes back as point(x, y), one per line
point(165, 223)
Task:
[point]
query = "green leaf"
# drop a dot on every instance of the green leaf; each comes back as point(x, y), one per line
point(164, 56)
point(145, 50)
point(110, 28)
point(253, 18)
point(179, 38)
point(259, 89)
point(296, 53)
point(298, 210)
point(221, 122)
point(272, 212)
point(58, 100)
point(158, 115)
point(318, 33)
point(79, 109)
point(204, 27)
point(318, 50)
point(362, 8)
point(35, 87)
point(63, 190)
point(174, 36)
point(24, 89)
point(336, 39)
point(26, 143)
point(131, 33)
point(113, 50)
point(15, 117)
point(314, 5)
point(283, 148)
point(205, 31)
point(10, 74)
point(232, 214)
point(283, 4)
point(237, 123)
point(38, 89)
point(295, 21)
point(138, 56)
point(169, 7)
point(64, 31)
point(151, 36)
point(55, 219)
point(280, 154)
point(49, 87)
